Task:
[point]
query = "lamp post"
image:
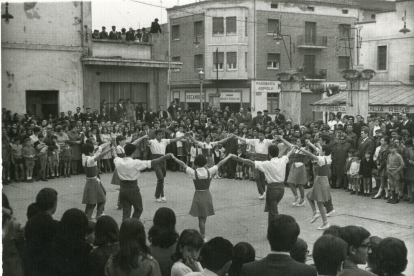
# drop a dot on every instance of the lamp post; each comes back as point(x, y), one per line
point(201, 78)
point(278, 37)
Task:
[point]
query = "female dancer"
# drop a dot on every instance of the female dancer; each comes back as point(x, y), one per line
point(297, 174)
point(202, 205)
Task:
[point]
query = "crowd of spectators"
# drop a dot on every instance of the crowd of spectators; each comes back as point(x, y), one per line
point(76, 246)
point(371, 156)
point(138, 35)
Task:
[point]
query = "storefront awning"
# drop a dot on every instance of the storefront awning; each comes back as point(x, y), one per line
point(382, 99)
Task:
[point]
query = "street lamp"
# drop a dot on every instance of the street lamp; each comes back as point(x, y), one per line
point(405, 30)
point(201, 78)
point(7, 15)
point(278, 38)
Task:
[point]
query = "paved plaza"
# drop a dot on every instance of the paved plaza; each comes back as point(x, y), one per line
point(239, 212)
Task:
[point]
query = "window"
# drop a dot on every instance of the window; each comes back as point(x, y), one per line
point(344, 11)
point(382, 58)
point(274, 6)
point(311, 9)
point(373, 16)
point(310, 33)
point(344, 31)
point(272, 102)
point(175, 32)
point(411, 75)
point(218, 25)
point(344, 62)
point(218, 60)
point(245, 60)
point(198, 62)
point(273, 61)
point(272, 26)
point(245, 26)
point(198, 29)
point(176, 59)
point(232, 61)
point(231, 25)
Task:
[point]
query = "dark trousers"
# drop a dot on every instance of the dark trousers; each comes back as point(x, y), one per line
point(160, 171)
point(341, 180)
point(131, 197)
point(260, 179)
point(274, 195)
point(231, 168)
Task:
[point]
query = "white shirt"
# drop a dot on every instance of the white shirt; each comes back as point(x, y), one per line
point(129, 169)
point(180, 269)
point(274, 170)
point(88, 161)
point(204, 145)
point(260, 147)
point(120, 149)
point(202, 172)
point(158, 147)
point(34, 138)
point(324, 160)
point(179, 134)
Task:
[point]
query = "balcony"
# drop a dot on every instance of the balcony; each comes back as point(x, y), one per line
point(312, 42)
point(318, 74)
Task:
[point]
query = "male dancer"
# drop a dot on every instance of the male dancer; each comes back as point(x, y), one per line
point(158, 146)
point(128, 171)
point(274, 171)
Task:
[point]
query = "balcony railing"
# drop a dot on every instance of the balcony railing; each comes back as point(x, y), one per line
point(318, 74)
point(314, 42)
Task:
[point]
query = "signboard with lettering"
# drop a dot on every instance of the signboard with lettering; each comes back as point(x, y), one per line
point(274, 86)
point(326, 108)
point(266, 86)
point(371, 109)
point(193, 97)
point(230, 97)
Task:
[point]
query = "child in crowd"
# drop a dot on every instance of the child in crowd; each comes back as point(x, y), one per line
point(365, 171)
point(194, 151)
point(348, 163)
point(29, 155)
point(66, 156)
point(17, 159)
point(41, 149)
point(354, 173)
point(395, 165)
point(240, 165)
point(52, 159)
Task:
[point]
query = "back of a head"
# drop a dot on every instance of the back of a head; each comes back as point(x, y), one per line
point(132, 233)
point(354, 235)
point(329, 252)
point(243, 253)
point(282, 233)
point(372, 256)
point(46, 199)
point(300, 251)
point(32, 210)
point(333, 230)
point(216, 253)
point(200, 160)
point(73, 226)
point(273, 151)
point(163, 233)
point(106, 231)
point(129, 149)
point(391, 257)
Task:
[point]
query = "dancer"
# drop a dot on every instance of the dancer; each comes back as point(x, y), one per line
point(274, 171)
point(158, 146)
point(93, 193)
point(202, 205)
point(297, 174)
point(128, 171)
point(320, 191)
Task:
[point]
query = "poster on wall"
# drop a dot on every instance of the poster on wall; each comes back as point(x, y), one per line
point(230, 96)
point(193, 97)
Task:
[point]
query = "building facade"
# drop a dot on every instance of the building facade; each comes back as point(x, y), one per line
point(238, 41)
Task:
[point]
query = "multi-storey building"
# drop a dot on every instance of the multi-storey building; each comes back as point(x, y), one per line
point(233, 43)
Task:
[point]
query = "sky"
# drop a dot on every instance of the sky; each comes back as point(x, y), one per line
point(131, 13)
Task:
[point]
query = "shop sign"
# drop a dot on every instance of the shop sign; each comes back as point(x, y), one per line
point(267, 86)
point(325, 86)
point(389, 109)
point(193, 97)
point(332, 108)
point(230, 97)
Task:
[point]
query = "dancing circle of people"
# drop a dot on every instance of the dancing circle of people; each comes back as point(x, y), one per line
point(269, 169)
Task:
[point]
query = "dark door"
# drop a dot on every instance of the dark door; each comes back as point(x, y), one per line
point(310, 33)
point(309, 69)
point(41, 103)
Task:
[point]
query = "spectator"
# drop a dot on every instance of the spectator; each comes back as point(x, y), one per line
point(163, 238)
point(95, 34)
point(130, 35)
point(112, 34)
point(103, 34)
point(155, 27)
point(123, 35)
point(138, 35)
point(357, 239)
point(391, 257)
point(282, 234)
point(133, 257)
point(300, 251)
point(145, 37)
point(106, 242)
point(372, 256)
point(243, 253)
point(329, 254)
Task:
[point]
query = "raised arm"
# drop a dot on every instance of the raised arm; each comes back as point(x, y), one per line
point(161, 159)
point(244, 161)
point(103, 153)
point(177, 139)
point(225, 139)
point(241, 139)
point(106, 144)
point(136, 142)
point(308, 153)
point(221, 163)
point(179, 162)
point(291, 151)
point(312, 145)
point(283, 140)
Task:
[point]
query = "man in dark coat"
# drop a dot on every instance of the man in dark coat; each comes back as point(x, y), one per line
point(279, 118)
point(365, 143)
point(339, 154)
point(162, 114)
point(258, 119)
point(155, 27)
point(103, 34)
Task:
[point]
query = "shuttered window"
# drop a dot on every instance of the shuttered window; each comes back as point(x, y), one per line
point(273, 61)
point(272, 26)
point(218, 25)
point(382, 58)
point(175, 32)
point(218, 58)
point(231, 25)
point(198, 29)
point(198, 62)
point(232, 60)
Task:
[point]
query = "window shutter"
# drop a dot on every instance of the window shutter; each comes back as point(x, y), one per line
point(231, 25)
point(218, 26)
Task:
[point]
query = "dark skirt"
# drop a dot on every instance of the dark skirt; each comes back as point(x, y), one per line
point(321, 191)
point(297, 175)
point(202, 205)
point(93, 192)
point(115, 178)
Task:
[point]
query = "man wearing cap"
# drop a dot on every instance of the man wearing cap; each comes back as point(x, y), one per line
point(258, 119)
point(103, 34)
point(112, 34)
point(88, 116)
point(339, 154)
point(155, 27)
point(393, 125)
point(279, 118)
point(266, 118)
point(241, 117)
point(78, 115)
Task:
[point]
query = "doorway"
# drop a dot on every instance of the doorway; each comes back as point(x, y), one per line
point(42, 103)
